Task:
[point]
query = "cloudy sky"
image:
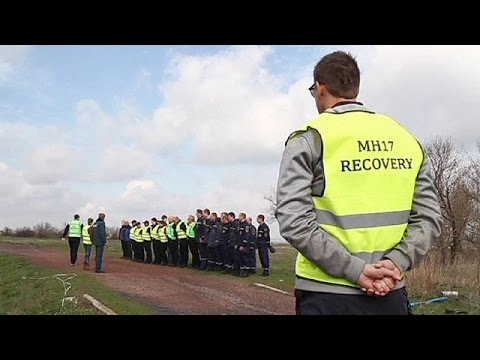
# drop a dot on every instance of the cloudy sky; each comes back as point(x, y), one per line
point(141, 131)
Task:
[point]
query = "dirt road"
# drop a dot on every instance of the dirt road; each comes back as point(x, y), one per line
point(170, 290)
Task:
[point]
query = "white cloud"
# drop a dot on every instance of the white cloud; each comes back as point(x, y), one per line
point(229, 105)
point(123, 163)
point(52, 163)
point(24, 204)
point(11, 58)
point(433, 90)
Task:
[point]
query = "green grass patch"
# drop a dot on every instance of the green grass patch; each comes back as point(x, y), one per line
point(22, 293)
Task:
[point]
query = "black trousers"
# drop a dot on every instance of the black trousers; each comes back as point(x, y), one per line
point(163, 247)
point(203, 255)
point(183, 244)
point(212, 256)
point(230, 257)
point(74, 243)
point(148, 251)
point(126, 249)
point(173, 248)
point(219, 260)
point(264, 256)
point(193, 246)
point(138, 251)
point(317, 303)
point(156, 251)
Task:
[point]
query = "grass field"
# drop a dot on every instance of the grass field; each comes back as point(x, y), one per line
point(426, 282)
point(44, 297)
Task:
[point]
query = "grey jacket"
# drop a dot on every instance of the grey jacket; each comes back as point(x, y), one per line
point(301, 174)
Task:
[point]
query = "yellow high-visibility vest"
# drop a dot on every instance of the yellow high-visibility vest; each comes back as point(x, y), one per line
point(74, 228)
point(371, 163)
point(162, 234)
point(138, 234)
point(180, 233)
point(86, 235)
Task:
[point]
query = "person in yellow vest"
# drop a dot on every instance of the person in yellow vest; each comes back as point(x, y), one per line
point(162, 235)
point(181, 229)
point(87, 243)
point(155, 240)
point(138, 238)
point(74, 230)
point(192, 235)
point(147, 241)
point(172, 241)
point(355, 197)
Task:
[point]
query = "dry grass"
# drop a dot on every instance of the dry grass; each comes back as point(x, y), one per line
point(434, 276)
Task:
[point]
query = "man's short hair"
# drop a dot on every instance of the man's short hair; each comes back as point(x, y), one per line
point(207, 211)
point(340, 73)
point(232, 214)
point(76, 216)
point(261, 217)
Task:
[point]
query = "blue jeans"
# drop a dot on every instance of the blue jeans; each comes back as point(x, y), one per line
point(88, 251)
point(99, 257)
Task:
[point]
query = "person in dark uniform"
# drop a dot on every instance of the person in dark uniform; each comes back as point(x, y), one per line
point(213, 242)
point(252, 246)
point(200, 234)
point(140, 252)
point(242, 245)
point(233, 225)
point(227, 262)
point(263, 244)
point(192, 236)
point(204, 240)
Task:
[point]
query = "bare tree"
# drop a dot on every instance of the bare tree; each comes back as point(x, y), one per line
point(449, 171)
point(271, 198)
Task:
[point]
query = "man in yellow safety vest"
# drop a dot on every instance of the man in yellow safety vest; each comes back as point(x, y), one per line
point(355, 197)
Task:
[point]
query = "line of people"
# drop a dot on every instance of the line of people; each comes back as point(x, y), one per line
point(214, 243)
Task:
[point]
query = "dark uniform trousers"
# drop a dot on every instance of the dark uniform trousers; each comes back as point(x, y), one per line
point(318, 303)
point(127, 249)
point(193, 246)
point(138, 251)
point(264, 255)
point(162, 253)
point(203, 255)
point(156, 251)
point(148, 251)
point(173, 250)
point(183, 251)
point(74, 243)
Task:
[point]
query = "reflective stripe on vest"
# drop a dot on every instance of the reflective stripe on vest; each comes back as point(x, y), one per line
point(146, 234)
point(162, 234)
point(138, 234)
point(371, 163)
point(74, 229)
point(180, 233)
point(191, 230)
point(86, 235)
point(132, 233)
point(154, 233)
point(170, 232)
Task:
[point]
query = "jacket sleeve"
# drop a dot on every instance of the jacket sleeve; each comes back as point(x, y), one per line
point(65, 231)
point(296, 213)
point(424, 224)
point(183, 227)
